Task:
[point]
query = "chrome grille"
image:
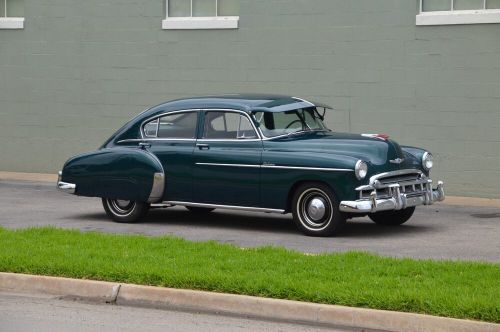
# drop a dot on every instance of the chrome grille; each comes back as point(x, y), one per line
point(410, 182)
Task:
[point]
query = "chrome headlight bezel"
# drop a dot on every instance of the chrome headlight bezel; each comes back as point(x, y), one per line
point(361, 169)
point(427, 161)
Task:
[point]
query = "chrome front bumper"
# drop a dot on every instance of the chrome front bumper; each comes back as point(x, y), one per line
point(397, 199)
point(65, 186)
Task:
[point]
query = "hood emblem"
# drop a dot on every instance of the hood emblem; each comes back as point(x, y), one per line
point(396, 161)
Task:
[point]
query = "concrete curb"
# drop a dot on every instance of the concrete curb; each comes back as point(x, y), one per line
point(240, 305)
point(38, 177)
point(450, 200)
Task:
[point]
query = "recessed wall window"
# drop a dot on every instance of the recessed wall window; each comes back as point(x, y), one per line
point(11, 14)
point(444, 12)
point(201, 14)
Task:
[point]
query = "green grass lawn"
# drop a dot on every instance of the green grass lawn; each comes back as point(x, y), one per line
point(445, 288)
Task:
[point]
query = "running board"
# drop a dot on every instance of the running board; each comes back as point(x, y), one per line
point(226, 207)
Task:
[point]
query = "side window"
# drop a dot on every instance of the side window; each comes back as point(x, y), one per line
point(228, 125)
point(179, 125)
point(151, 128)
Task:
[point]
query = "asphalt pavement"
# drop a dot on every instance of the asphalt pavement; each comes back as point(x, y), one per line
point(439, 231)
point(23, 312)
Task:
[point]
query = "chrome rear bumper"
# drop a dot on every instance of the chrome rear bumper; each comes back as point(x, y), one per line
point(65, 186)
point(397, 200)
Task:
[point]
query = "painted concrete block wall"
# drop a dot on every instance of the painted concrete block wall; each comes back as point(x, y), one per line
point(80, 69)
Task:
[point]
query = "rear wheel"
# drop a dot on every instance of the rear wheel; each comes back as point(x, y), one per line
point(315, 210)
point(199, 210)
point(124, 211)
point(392, 218)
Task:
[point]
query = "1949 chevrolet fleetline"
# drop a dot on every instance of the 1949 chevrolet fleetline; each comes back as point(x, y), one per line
point(266, 153)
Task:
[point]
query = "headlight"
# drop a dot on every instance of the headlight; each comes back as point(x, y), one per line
point(361, 169)
point(427, 161)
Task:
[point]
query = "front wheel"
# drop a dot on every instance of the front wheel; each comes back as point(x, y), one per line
point(124, 211)
point(315, 210)
point(392, 218)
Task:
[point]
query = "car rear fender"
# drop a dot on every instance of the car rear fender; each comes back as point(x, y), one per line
point(120, 173)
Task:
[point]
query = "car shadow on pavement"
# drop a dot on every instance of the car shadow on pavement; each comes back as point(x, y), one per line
point(365, 228)
point(269, 223)
point(223, 219)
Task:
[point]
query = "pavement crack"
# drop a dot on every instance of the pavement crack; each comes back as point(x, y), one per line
point(114, 294)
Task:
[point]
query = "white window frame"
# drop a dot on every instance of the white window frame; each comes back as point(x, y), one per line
point(195, 23)
point(10, 22)
point(453, 16)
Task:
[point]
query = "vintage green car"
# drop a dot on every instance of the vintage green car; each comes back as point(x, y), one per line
point(267, 153)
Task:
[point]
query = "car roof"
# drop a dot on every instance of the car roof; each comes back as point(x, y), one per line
point(244, 102)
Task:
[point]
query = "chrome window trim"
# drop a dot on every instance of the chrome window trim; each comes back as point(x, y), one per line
point(259, 134)
point(228, 207)
point(266, 138)
point(229, 140)
point(156, 139)
point(157, 128)
point(230, 165)
point(308, 168)
point(157, 116)
point(257, 131)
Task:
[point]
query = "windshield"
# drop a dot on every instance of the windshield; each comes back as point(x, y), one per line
point(274, 124)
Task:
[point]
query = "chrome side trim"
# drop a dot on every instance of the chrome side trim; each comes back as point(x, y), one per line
point(280, 167)
point(229, 165)
point(309, 168)
point(156, 194)
point(226, 207)
point(157, 189)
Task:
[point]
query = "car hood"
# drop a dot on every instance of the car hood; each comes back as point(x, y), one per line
point(376, 151)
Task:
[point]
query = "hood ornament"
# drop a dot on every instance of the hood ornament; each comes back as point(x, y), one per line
point(396, 161)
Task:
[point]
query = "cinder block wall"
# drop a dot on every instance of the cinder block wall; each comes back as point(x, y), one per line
point(80, 69)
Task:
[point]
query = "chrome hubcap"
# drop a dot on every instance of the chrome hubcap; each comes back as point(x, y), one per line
point(316, 208)
point(121, 207)
point(122, 203)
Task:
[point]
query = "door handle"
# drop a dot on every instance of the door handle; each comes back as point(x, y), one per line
point(144, 145)
point(203, 146)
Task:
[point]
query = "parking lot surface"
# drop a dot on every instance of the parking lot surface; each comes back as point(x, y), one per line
point(439, 231)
